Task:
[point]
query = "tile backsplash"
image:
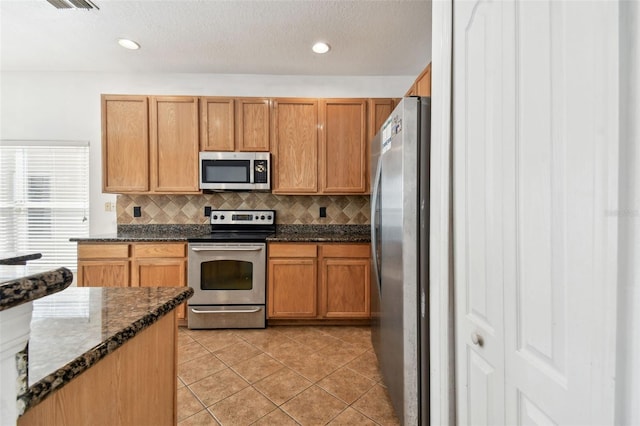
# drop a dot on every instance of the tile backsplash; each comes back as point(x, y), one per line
point(290, 209)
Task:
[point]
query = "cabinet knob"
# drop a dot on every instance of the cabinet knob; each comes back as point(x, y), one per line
point(477, 339)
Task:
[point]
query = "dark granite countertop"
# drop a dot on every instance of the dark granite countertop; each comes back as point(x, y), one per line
point(148, 233)
point(22, 290)
point(284, 233)
point(74, 329)
point(322, 233)
point(18, 258)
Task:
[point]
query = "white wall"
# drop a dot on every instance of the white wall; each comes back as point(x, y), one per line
point(66, 106)
point(628, 350)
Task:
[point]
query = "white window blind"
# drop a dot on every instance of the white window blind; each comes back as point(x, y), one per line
point(44, 200)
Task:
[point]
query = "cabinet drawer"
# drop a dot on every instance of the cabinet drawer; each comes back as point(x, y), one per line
point(159, 250)
point(293, 250)
point(103, 251)
point(346, 250)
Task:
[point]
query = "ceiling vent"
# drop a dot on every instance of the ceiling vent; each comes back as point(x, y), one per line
point(73, 4)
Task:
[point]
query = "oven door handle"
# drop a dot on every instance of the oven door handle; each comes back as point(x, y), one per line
point(243, 248)
point(228, 311)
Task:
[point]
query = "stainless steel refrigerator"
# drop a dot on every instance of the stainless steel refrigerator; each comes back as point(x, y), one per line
point(400, 256)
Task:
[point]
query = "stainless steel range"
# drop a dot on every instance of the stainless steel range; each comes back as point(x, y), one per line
point(227, 270)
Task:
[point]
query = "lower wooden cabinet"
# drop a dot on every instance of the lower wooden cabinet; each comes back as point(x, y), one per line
point(160, 265)
point(305, 280)
point(344, 282)
point(318, 281)
point(133, 265)
point(134, 385)
point(293, 282)
point(103, 273)
point(103, 265)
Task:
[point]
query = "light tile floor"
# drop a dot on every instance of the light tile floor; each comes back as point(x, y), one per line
point(284, 375)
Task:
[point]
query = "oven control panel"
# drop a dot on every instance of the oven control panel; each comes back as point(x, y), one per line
point(243, 217)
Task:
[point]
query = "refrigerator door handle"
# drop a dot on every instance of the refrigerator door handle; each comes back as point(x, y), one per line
point(374, 235)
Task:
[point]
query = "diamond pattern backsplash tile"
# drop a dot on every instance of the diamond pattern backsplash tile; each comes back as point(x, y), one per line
point(290, 209)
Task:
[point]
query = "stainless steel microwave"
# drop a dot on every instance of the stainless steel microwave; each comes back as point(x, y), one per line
point(235, 171)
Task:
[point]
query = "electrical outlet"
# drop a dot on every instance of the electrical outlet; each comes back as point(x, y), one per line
point(137, 212)
point(207, 210)
point(323, 212)
point(109, 206)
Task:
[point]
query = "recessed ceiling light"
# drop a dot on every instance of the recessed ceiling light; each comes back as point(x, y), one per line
point(321, 47)
point(128, 44)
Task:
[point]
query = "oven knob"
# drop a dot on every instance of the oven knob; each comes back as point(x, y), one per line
point(215, 217)
point(269, 217)
point(257, 217)
point(262, 217)
point(222, 217)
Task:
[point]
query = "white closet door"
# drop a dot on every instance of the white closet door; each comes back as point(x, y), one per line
point(478, 217)
point(535, 182)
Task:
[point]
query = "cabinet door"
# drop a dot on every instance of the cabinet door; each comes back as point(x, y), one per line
point(292, 288)
point(125, 144)
point(160, 272)
point(217, 124)
point(295, 151)
point(252, 124)
point(379, 111)
point(423, 83)
point(174, 144)
point(343, 142)
point(345, 288)
point(103, 273)
point(344, 281)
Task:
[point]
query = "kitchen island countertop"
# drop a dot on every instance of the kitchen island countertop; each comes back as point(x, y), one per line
point(18, 258)
point(75, 328)
point(16, 291)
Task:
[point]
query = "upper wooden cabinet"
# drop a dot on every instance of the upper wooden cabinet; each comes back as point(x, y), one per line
point(174, 144)
point(343, 145)
point(125, 143)
point(252, 124)
point(217, 124)
point(150, 145)
point(379, 111)
point(294, 155)
point(422, 85)
point(319, 146)
point(234, 124)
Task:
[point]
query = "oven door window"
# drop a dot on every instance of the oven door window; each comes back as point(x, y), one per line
point(226, 275)
point(226, 171)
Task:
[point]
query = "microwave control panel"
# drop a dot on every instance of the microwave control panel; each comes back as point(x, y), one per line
point(260, 171)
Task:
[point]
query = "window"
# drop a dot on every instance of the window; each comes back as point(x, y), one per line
point(44, 200)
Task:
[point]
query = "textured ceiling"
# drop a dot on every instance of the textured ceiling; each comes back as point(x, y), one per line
point(368, 37)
